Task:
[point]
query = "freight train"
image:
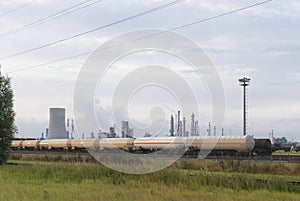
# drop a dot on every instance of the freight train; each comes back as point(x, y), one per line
point(286, 147)
point(232, 145)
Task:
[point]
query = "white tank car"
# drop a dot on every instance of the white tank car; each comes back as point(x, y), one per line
point(158, 143)
point(221, 143)
point(113, 143)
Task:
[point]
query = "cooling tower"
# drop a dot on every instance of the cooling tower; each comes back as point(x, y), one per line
point(57, 126)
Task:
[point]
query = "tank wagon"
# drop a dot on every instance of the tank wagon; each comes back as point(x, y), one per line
point(262, 147)
point(31, 144)
point(218, 145)
point(16, 144)
point(78, 144)
point(222, 144)
point(119, 143)
point(56, 145)
point(158, 143)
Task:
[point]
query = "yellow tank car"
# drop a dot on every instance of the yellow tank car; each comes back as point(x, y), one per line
point(116, 143)
point(30, 144)
point(85, 144)
point(16, 144)
point(64, 144)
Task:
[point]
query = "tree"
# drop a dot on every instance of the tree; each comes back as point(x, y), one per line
point(7, 117)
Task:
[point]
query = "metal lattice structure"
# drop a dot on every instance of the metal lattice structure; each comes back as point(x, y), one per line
point(244, 82)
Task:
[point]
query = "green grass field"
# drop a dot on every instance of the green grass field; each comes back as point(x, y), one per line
point(281, 152)
point(85, 181)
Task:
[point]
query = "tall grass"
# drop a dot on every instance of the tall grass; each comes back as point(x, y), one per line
point(274, 168)
point(78, 173)
point(203, 165)
point(81, 181)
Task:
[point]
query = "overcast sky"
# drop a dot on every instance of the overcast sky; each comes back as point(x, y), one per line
point(261, 43)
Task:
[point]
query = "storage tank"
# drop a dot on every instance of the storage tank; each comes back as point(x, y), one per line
point(57, 124)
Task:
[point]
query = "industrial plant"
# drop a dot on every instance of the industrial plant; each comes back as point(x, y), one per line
point(60, 129)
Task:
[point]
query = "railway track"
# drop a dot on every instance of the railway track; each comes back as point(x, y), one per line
point(271, 158)
point(53, 153)
point(73, 154)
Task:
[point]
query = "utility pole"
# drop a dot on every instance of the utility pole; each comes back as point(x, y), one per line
point(244, 82)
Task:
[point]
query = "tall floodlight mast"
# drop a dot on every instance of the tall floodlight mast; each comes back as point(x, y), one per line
point(244, 82)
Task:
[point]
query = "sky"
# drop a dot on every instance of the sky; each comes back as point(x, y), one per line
point(261, 43)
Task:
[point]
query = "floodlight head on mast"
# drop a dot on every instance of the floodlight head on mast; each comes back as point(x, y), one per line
point(244, 81)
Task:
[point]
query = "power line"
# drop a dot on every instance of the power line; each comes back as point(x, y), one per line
point(51, 62)
point(71, 11)
point(51, 17)
point(221, 15)
point(148, 36)
point(95, 29)
point(17, 8)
